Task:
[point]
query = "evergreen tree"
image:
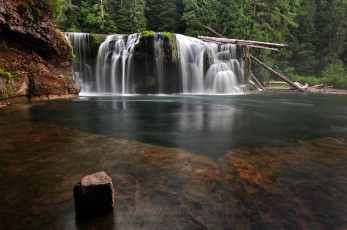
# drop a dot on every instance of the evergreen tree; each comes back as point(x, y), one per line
point(130, 16)
point(96, 17)
point(304, 51)
point(69, 20)
point(331, 29)
point(316, 30)
point(165, 15)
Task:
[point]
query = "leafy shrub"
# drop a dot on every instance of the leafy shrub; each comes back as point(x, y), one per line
point(336, 74)
point(53, 5)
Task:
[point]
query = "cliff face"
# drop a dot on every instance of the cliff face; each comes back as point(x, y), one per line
point(35, 59)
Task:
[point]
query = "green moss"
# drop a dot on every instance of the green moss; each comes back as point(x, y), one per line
point(5, 75)
point(169, 35)
point(248, 66)
point(146, 34)
point(62, 36)
point(2, 63)
point(95, 40)
point(169, 46)
point(8, 92)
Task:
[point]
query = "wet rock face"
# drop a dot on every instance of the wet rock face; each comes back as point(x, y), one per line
point(31, 45)
point(94, 195)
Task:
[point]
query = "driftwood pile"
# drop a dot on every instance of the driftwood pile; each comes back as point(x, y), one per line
point(306, 87)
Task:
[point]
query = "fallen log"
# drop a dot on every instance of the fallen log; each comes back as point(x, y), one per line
point(257, 82)
point(242, 43)
point(213, 31)
point(283, 78)
point(318, 86)
point(255, 44)
point(275, 82)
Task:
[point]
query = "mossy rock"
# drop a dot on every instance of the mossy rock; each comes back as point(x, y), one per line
point(170, 47)
point(145, 46)
point(147, 34)
point(11, 83)
point(6, 76)
point(246, 56)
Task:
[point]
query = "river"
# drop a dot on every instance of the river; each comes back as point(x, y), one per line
point(251, 161)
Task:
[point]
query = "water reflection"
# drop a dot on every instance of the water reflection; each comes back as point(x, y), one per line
point(200, 124)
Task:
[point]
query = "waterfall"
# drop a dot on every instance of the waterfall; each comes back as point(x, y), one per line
point(199, 67)
point(190, 53)
point(83, 71)
point(114, 68)
point(224, 74)
point(159, 61)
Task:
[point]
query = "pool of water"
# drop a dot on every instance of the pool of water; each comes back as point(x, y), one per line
point(268, 161)
point(205, 125)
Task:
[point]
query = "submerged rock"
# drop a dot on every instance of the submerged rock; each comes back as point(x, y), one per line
point(94, 195)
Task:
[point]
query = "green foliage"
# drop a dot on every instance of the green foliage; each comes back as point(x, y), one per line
point(315, 30)
point(97, 39)
point(169, 36)
point(336, 74)
point(146, 34)
point(131, 18)
point(8, 92)
point(165, 15)
point(53, 5)
point(310, 80)
point(5, 75)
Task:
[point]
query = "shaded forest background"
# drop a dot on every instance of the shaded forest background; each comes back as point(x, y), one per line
point(316, 30)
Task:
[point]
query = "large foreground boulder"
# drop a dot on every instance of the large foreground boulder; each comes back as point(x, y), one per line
point(94, 195)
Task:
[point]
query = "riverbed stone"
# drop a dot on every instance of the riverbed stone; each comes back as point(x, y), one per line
point(94, 195)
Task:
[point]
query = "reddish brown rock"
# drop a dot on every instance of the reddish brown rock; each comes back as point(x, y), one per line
point(94, 195)
point(37, 55)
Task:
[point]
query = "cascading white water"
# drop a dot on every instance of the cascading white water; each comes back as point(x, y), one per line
point(204, 68)
point(190, 53)
point(224, 75)
point(114, 66)
point(159, 60)
point(83, 72)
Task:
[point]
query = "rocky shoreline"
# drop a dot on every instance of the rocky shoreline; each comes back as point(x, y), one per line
point(312, 91)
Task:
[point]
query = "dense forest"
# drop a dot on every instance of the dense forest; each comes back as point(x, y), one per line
point(316, 30)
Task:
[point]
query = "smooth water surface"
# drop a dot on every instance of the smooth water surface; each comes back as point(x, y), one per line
point(268, 161)
point(205, 125)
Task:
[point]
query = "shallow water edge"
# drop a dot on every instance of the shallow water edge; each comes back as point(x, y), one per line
point(301, 186)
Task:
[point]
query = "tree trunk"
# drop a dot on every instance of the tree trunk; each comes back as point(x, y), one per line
point(255, 44)
point(213, 31)
point(278, 74)
point(136, 3)
point(257, 82)
point(70, 3)
point(102, 16)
